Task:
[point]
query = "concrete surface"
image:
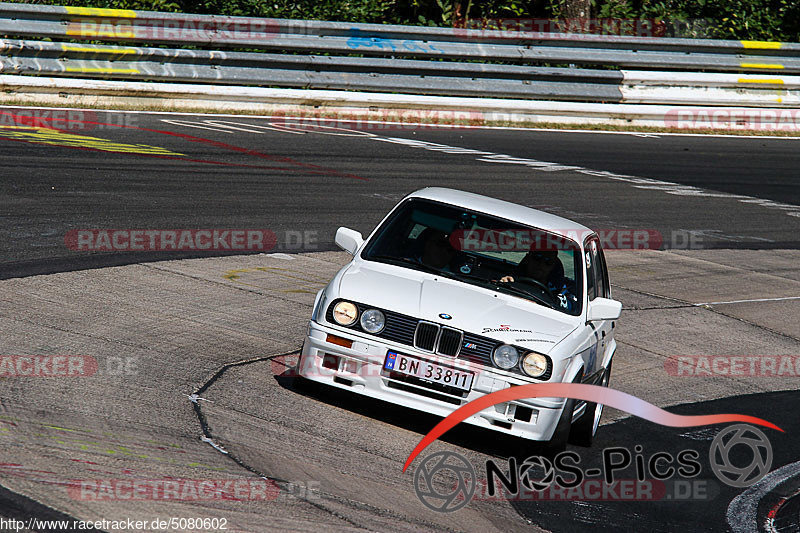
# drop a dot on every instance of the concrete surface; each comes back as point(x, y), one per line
point(161, 331)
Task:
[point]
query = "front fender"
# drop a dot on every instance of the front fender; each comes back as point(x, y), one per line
point(574, 368)
point(612, 348)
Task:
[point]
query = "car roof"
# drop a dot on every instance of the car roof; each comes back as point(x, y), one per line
point(514, 212)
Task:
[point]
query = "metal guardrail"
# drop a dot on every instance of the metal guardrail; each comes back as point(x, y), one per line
point(311, 72)
point(390, 58)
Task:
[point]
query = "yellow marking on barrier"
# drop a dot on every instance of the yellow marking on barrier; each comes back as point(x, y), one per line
point(100, 12)
point(102, 70)
point(762, 45)
point(54, 137)
point(119, 51)
point(772, 66)
point(770, 81)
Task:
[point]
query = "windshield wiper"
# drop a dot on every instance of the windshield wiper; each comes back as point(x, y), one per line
point(460, 274)
point(526, 294)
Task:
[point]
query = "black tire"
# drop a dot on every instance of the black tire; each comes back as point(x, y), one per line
point(585, 428)
point(558, 442)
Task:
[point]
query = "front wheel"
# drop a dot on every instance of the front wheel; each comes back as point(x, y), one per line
point(585, 428)
point(561, 435)
point(558, 443)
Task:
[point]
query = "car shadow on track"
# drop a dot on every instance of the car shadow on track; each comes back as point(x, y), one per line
point(702, 507)
point(473, 438)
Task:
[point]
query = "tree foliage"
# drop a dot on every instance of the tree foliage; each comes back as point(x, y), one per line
point(729, 19)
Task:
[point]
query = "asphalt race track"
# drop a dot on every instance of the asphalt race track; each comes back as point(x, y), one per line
point(190, 354)
point(198, 172)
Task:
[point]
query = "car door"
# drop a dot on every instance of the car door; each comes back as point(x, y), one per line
point(605, 327)
point(597, 287)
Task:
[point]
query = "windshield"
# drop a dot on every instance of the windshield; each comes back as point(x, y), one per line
point(481, 250)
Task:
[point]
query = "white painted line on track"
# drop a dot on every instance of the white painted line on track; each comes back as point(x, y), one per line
point(751, 301)
point(667, 187)
point(422, 124)
point(643, 183)
point(228, 126)
point(271, 127)
point(236, 126)
point(315, 128)
point(192, 124)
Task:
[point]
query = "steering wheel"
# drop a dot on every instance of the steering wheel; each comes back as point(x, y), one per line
point(540, 285)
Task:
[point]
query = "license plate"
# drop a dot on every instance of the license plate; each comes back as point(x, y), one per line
point(435, 373)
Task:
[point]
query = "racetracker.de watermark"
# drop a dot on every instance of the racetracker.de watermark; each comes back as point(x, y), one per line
point(66, 120)
point(186, 28)
point(47, 366)
point(67, 366)
point(735, 118)
point(168, 240)
point(759, 366)
point(511, 27)
point(329, 365)
point(380, 121)
point(523, 240)
point(171, 489)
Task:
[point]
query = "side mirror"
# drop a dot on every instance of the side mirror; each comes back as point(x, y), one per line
point(349, 240)
point(603, 309)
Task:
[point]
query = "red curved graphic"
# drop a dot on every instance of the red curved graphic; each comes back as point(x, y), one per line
point(589, 393)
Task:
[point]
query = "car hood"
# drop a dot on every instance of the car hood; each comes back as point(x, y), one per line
point(473, 309)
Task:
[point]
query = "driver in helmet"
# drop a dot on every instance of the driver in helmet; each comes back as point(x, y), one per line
point(436, 250)
point(545, 267)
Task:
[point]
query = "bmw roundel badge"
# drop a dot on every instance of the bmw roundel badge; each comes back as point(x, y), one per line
point(445, 316)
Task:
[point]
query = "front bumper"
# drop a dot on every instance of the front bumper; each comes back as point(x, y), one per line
point(359, 369)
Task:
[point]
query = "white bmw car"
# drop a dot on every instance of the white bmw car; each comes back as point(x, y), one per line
point(455, 295)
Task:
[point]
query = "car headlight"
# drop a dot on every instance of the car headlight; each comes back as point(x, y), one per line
point(345, 313)
point(534, 364)
point(505, 356)
point(372, 321)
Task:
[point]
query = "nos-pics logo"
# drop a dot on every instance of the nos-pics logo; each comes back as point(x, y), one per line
point(446, 481)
